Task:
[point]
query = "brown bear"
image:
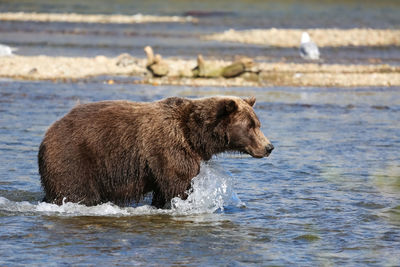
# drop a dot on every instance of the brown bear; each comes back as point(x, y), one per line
point(120, 150)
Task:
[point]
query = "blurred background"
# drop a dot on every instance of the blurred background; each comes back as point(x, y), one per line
point(183, 39)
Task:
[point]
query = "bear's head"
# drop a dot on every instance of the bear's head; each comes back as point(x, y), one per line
point(229, 124)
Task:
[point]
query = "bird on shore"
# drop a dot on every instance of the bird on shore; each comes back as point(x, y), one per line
point(6, 50)
point(155, 64)
point(308, 49)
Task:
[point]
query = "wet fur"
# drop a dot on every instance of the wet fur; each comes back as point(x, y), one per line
point(120, 150)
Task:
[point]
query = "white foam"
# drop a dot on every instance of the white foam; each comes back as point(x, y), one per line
point(212, 190)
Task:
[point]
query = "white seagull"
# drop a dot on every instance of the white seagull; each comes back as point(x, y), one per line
point(308, 49)
point(6, 50)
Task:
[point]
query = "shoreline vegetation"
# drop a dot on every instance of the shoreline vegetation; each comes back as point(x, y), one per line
point(181, 71)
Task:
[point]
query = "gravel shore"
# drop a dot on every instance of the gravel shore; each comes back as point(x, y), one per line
point(274, 74)
point(322, 37)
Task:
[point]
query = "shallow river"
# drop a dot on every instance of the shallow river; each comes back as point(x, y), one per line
point(328, 195)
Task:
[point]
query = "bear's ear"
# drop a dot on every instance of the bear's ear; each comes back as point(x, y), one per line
point(226, 107)
point(251, 100)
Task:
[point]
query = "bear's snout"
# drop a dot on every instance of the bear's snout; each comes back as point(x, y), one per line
point(264, 152)
point(263, 147)
point(268, 149)
point(260, 151)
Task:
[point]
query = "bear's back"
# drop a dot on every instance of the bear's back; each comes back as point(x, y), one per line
point(119, 124)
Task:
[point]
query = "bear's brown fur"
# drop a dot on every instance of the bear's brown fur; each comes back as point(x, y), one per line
point(119, 150)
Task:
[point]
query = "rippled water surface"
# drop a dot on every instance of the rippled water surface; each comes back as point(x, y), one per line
point(328, 195)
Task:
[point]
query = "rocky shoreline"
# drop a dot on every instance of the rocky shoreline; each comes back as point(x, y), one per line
point(181, 72)
point(204, 72)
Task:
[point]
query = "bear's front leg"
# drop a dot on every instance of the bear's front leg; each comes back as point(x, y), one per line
point(172, 178)
point(162, 198)
point(158, 200)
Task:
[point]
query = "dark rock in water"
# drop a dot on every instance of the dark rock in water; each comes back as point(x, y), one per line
point(201, 13)
point(378, 107)
point(308, 238)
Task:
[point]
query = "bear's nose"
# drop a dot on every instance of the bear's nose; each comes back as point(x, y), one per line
point(269, 148)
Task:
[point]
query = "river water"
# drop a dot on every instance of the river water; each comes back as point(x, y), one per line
point(328, 195)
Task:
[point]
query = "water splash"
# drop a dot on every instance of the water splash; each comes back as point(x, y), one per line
point(212, 190)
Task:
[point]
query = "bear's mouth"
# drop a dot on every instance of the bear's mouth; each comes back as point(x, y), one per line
point(259, 153)
point(259, 156)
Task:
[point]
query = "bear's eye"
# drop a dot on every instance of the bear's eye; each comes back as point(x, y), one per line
point(252, 124)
